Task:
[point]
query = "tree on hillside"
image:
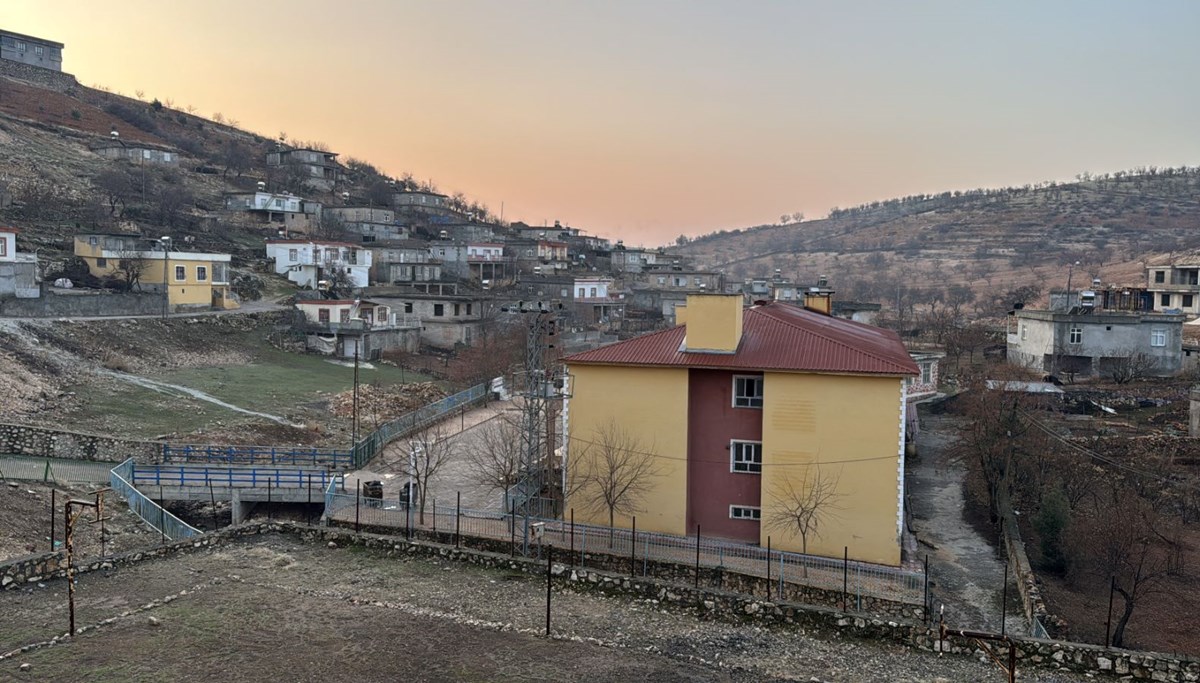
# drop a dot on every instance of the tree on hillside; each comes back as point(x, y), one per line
point(132, 265)
point(236, 158)
point(330, 227)
point(117, 188)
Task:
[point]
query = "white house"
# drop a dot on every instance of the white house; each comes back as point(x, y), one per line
point(307, 262)
point(18, 272)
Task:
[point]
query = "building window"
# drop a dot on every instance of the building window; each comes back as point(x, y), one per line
point(100, 262)
point(39, 50)
point(468, 309)
point(323, 315)
point(293, 255)
point(344, 315)
point(1158, 337)
point(746, 456)
point(1188, 300)
point(20, 46)
point(456, 310)
point(408, 307)
point(662, 280)
point(748, 392)
point(202, 273)
point(926, 373)
point(1160, 276)
point(1164, 300)
point(579, 293)
point(439, 310)
point(593, 294)
point(1024, 332)
point(745, 512)
point(1076, 335)
point(180, 273)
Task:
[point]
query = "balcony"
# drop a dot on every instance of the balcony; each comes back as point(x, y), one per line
point(403, 321)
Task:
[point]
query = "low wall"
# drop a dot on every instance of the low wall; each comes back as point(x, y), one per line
point(710, 603)
point(89, 305)
point(1027, 584)
point(45, 442)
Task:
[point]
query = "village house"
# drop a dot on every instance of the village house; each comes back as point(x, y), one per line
point(310, 262)
point(679, 278)
point(279, 211)
point(193, 280)
point(486, 262)
point(345, 328)
point(423, 202)
point(1174, 284)
point(537, 255)
point(1090, 341)
point(136, 152)
point(19, 47)
point(743, 413)
point(402, 262)
point(18, 272)
point(447, 320)
point(321, 167)
point(470, 231)
point(596, 302)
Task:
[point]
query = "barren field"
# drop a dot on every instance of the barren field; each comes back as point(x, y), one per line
point(255, 610)
point(25, 522)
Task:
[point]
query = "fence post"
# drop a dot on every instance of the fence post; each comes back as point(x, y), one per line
point(781, 565)
point(549, 565)
point(408, 515)
point(697, 556)
point(1004, 599)
point(845, 578)
point(212, 500)
point(1112, 587)
point(512, 530)
point(53, 502)
point(571, 555)
point(162, 517)
point(269, 513)
point(434, 501)
point(357, 500)
point(457, 519)
point(768, 567)
point(925, 604)
point(633, 548)
point(308, 508)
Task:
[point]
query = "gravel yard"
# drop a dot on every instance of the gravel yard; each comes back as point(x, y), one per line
point(254, 609)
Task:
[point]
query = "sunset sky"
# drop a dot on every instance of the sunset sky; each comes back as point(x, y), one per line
point(644, 120)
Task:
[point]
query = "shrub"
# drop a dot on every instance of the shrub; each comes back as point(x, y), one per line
point(76, 115)
point(1050, 521)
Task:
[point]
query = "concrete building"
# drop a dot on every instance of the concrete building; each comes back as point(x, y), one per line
point(1095, 342)
point(321, 167)
point(595, 302)
point(447, 320)
point(19, 47)
point(742, 412)
point(344, 328)
point(136, 152)
point(277, 211)
point(1174, 284)
point(308, 262)
point(193, 280)
point(403, 261)
point(18, 272)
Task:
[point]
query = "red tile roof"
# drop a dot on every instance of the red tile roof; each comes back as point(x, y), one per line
point(775, 336)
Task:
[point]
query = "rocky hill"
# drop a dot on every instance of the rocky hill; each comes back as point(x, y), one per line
point(987, 240)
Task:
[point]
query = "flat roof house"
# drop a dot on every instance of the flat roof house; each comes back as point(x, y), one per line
point(30, 50)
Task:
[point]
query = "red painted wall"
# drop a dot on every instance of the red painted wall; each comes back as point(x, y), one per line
point(712, 487)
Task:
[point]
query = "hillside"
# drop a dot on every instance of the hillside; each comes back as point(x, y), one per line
point(988, 240)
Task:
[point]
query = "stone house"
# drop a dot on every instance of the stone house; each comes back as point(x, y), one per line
point(18, 272)
point(30, 50)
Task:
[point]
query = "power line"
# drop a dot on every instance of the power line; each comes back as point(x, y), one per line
point(725, 462)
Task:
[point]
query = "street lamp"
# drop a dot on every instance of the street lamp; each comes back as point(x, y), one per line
point(166, 246)
point(1070, 272)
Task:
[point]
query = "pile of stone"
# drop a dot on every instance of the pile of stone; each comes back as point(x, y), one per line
point(385, 403)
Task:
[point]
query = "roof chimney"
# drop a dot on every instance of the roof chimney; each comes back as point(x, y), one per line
point(714, 323)
point(819, 300)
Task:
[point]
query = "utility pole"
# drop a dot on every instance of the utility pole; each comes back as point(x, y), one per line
point(354, 404)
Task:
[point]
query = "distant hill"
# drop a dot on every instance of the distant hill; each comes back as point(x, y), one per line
point(988, 240)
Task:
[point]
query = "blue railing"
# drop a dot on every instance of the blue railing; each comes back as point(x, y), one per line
point(152, 513)
point(415, 421)
point(230, 477)
point(256, 455)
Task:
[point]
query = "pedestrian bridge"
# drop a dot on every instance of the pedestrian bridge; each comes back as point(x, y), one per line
point(242, 485)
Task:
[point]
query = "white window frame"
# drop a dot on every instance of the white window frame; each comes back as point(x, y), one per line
point(749, 398)
point(738, 463)
point(745, 512)
point(202, 273)
point(180, 273)
point(1075, 335)
point(927, 373)
point(1158, 336)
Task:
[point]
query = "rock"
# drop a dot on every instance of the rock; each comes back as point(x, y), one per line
point(25, 666)
point(154, 621)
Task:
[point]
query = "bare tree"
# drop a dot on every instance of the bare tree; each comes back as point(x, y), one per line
point(1130, 364)
point(615, 472)
point(431, 449)
point(330, 227)
point(497, 450)
point(132, 265)
point(116, 187)
point(804, 502)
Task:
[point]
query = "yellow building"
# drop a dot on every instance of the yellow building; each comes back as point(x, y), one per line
point(193, 280)
point(772, 421)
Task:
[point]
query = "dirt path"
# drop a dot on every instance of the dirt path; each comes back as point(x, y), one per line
point(966, 571)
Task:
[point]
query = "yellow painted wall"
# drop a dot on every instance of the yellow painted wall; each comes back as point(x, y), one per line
point(813, 419)
point(649, 403)
point(188, 291)
point(714, 321)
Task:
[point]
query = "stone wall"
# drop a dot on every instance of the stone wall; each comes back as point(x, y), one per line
point(709, 603)
point(49, 78)
point(54, 443)
point(1027, 583)
point(83, 305)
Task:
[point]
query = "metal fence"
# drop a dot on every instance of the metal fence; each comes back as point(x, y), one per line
point(859, 580)
point(56, 470)
point(151, 513)
point(256, 455)
point(230, 477)
point(416, 420)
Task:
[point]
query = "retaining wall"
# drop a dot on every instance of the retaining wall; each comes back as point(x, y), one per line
point(49, 78)
point(89, 305)
point(707, 602)
point(55, 443)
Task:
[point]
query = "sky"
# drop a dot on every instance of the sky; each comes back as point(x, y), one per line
point(648, 119)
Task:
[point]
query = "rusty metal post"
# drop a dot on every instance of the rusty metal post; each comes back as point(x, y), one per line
point(1112, 587)
point(697, 556)
point(53, 503)
point(845, 578)
point(768, 567)
point(633, 549)
point(571, 554)
point(357, 503)
point(1004, 600)
point(458, 519)
point(549, 566)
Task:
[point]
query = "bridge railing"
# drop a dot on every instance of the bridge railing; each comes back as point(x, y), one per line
point(256, 455)
point(230, 477)
point(121, 480)
point(415, 421)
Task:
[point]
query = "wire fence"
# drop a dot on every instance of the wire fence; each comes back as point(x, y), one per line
point(151, 513)
point(416, 420)
point(53, 470)
point(256, 455)
point(634, 549)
